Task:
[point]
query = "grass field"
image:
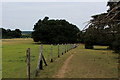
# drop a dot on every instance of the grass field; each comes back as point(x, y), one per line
point(93, 63)
point(14, 65)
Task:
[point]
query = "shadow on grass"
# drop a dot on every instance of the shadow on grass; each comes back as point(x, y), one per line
point(100, 49)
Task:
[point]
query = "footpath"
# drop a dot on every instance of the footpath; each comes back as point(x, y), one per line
point(89, 63)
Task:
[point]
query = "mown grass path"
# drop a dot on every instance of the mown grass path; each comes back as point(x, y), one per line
point(88, 63)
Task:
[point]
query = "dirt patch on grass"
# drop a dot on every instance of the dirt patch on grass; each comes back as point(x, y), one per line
point(63, 69)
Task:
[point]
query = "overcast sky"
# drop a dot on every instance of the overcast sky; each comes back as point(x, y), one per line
point(56, 0)
point(24, 15)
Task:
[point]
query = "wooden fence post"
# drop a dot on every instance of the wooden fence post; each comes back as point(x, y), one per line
point(41, 62)
point(65, 48)
point(39, 66)
point(58, 51)
point(28, 62)
point(51, 53)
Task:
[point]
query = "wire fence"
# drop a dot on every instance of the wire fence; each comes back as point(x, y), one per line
point(49, 53)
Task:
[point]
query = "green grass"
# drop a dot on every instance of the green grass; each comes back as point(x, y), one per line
point(93, 63)
point(13, 55)
point(14, 65)
point(86, 63)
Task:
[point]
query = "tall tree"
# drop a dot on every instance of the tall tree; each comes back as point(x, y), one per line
point(54, 31)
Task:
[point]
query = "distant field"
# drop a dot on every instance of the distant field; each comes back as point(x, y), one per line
point(14, 65)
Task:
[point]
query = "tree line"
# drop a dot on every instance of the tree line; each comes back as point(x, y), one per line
point(8, 33)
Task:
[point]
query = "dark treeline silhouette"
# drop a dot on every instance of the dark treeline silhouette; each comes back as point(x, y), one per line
point(104, 29)
point(55, 31)
point(11, 33)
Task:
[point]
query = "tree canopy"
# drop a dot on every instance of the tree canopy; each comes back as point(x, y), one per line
point(105, 27)
point(11, 33)
point(55, 31)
